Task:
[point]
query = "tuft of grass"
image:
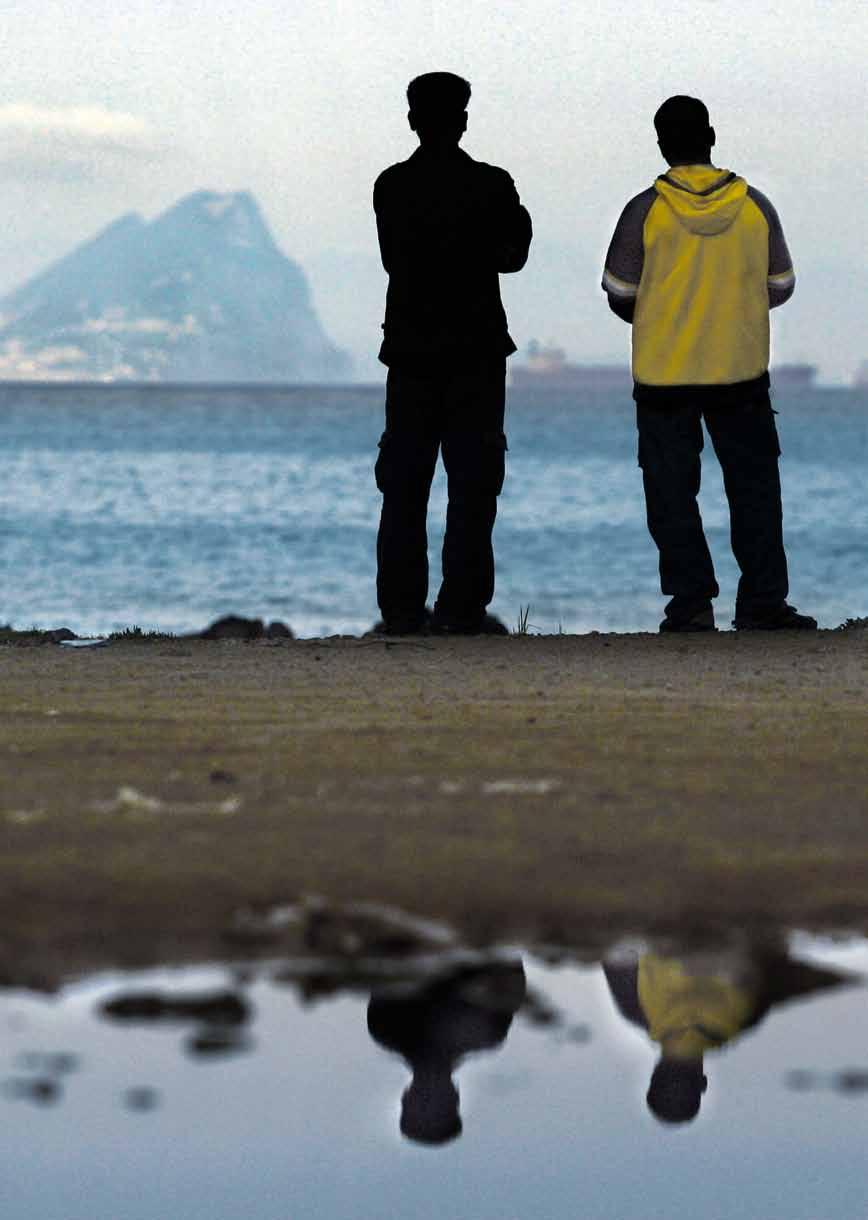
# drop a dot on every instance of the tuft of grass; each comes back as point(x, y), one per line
point(135, 635)
point(523, 626)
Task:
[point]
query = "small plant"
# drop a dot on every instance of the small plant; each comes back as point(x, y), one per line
point(522, 625)
point(135, 635)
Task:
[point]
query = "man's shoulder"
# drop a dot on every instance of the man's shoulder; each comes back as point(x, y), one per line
point(463, 160)
point(640, 204)
point(763, 202)
point(391, 174)
point(495, 174)
point(485, 167)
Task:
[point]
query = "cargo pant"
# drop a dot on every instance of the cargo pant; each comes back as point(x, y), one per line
point(458, 411)
point(745, 440)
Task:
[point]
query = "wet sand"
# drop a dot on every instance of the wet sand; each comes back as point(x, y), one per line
point(559, 789)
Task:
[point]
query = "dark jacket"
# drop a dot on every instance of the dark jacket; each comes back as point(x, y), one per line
point(447, 227)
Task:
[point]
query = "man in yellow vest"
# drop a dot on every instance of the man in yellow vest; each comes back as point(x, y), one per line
point(700, 1001)
point(695, 264)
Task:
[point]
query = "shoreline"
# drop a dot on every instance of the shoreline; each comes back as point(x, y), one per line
point(559, 790)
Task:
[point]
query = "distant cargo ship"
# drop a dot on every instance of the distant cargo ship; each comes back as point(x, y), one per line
point(547, 368)
point(796, 375)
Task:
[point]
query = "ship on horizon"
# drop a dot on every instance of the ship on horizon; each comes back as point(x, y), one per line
point(546, 367)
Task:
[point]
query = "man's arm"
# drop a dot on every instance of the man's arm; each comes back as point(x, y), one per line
point(514, 230)
point(626, 256)
point(383, 228)
point(622, 307)
point(781, 276)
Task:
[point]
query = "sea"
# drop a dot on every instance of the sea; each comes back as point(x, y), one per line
point(166, 507)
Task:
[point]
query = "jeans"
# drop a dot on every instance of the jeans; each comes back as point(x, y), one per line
point(746, 443)
point(458, 411)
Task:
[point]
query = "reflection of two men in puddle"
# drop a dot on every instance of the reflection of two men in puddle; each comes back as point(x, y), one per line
point(699, 1001)
point(689, 1002)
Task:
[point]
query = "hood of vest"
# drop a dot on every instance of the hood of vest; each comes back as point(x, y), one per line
point(706, 200)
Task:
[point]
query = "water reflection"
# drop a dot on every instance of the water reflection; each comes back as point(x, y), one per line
point(701, 1000)
point(217, 1018)
point(433, 1027)
point(541, 1068)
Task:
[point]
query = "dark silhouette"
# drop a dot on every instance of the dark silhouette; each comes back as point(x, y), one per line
point(699, 1001)
point(447, 226)
point(433, 1027)
point(695, 264)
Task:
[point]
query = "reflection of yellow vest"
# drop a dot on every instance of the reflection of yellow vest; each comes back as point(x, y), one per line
point(693, 1014)
point(702, 309)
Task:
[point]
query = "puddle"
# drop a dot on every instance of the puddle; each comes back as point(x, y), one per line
point(459, 1085)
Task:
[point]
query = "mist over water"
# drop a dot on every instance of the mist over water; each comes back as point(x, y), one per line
point(166, 507)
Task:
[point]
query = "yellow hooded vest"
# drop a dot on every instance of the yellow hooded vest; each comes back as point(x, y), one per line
point(702, 310)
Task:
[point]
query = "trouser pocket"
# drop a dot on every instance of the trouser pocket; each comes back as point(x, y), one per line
point(493, 472)
point(405, 464)
point(381, 466)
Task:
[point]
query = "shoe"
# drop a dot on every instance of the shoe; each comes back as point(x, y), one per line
point(785, 618)
point(403, 626)
point(488, 624)
point(703, 620)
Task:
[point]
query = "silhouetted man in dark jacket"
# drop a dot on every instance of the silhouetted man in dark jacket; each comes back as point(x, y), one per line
point(434, 1027)
point(447, 226)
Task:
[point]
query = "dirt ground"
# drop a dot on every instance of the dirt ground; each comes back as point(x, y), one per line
point(558, 789)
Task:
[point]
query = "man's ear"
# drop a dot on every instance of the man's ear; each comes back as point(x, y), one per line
point(711, 137)
point(464, 121)
point(411, 120)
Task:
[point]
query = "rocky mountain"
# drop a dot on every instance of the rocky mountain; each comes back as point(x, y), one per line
point(201, 293)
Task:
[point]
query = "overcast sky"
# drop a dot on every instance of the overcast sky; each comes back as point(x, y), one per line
point(116, 105)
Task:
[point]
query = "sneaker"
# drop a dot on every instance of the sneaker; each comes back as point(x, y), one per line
point(703, 620)
point(785, 618)
point(488, 624)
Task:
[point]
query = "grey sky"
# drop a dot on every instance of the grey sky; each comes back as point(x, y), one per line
point(109, 107)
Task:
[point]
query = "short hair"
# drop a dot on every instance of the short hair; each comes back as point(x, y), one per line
point(682, 122)
point(429, 1111)
point(675, 1092)
point(438, 93)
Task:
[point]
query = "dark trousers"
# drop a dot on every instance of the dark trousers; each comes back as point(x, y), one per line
point(459, 412)
point(745, 440)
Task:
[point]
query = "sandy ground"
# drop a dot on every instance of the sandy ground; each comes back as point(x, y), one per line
point(559, 789)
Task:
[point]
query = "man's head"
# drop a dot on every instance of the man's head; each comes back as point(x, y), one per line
point(429, 1110)
point(438, 107)
point(676, 1088)
point(684, 133)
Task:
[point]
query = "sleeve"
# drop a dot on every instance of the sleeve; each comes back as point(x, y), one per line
point(515, 230)
point(781, 276)
point(626, 254)
point(623, 980)
point(383, 227)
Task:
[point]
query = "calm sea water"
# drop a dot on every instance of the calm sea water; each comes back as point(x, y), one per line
point(166, 507)
point(291, 1106)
